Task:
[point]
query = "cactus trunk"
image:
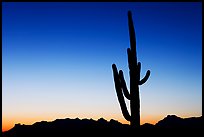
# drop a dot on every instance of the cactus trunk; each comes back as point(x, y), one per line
point(120, 84)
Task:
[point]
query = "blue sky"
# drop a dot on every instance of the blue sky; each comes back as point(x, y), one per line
point(57, 57)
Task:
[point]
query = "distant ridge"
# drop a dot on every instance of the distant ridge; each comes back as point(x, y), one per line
point(172, 121)
point(78, 127)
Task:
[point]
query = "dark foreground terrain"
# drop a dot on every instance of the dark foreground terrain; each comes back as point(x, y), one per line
point(88, 127)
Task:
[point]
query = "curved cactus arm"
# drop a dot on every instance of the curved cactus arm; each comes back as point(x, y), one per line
point(123, 85)
point(145, 78)
point(120, 94)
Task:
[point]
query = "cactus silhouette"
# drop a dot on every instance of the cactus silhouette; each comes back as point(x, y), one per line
point(134, 72)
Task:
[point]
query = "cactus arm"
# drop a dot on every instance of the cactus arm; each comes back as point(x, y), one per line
point(123, 85)
point(145, 78)
point(120, 94)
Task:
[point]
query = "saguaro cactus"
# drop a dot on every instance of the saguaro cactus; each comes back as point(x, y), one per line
point(134, 71)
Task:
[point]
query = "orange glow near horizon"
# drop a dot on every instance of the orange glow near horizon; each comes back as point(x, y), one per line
point(8, 123)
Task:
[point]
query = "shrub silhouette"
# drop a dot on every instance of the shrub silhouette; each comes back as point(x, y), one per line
point(134, 71)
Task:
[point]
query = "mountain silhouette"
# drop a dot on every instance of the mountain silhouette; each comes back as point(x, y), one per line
point(172, 121)
point(79, 127)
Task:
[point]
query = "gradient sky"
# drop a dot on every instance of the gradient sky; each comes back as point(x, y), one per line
point(57, 57)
